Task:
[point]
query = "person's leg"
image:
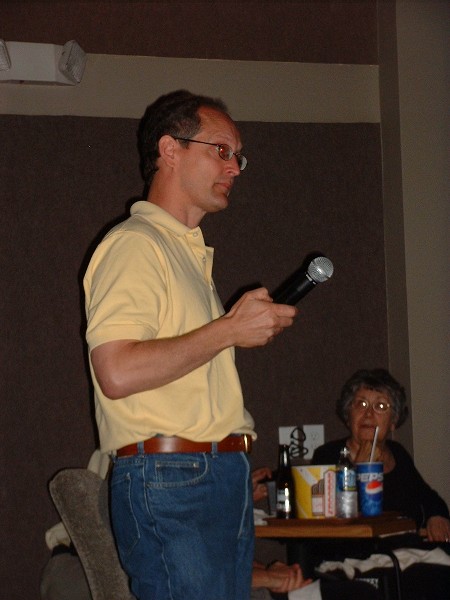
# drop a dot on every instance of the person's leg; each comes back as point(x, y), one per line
point(184, 525)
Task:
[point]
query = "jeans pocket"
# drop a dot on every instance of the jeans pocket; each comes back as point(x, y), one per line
point(124, 521)
point(182, 471)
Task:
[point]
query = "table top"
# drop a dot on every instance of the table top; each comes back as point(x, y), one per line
point(359, 527)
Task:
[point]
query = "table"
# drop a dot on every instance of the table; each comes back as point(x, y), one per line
point(359, 527)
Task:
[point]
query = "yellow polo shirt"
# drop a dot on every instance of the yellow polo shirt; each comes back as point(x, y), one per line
point(151, 277)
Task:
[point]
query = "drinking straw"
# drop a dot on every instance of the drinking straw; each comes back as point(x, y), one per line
point(374, 443)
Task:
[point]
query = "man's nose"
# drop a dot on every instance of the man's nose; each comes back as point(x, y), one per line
point(233, 166)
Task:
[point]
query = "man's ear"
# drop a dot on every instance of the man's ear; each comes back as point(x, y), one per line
point(167, 149)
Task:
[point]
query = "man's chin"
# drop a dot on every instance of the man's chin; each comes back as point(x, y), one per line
point(220, 203)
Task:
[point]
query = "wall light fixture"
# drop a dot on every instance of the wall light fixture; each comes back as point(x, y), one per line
point(26, 62)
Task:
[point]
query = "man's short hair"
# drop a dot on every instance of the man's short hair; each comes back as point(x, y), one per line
point(174, 114)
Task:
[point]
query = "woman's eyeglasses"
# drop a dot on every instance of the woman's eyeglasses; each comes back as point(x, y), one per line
point(380, 406)
point(223, 150)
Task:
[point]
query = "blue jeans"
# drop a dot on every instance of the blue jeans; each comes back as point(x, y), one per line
point(184, 525)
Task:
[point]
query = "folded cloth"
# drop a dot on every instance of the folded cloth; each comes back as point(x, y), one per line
point(406, 557)
point(57, 536)
point(309, 592)
point(259, 516)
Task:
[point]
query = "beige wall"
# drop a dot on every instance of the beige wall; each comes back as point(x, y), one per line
point(423, 67)
point(122, 86)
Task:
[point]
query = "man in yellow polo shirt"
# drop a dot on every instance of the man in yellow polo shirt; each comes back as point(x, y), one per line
point(169, 405)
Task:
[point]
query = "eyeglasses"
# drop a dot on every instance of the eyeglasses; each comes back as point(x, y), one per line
point(380, 406)
point(223, 150)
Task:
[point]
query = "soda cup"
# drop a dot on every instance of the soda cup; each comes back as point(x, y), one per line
point(370, 488)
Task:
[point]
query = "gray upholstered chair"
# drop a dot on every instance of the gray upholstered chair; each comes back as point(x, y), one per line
point(81, 498)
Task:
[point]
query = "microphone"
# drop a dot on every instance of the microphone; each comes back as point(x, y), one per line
point(320, 269)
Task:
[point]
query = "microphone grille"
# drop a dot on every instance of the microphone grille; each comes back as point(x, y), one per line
point(320, 269)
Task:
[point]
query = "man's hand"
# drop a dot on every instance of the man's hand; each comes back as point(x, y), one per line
point(279, 578)
point(125, 367)
point(260, 489)
point(255, 319)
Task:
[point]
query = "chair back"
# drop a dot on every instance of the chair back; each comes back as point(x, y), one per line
point(81, 498)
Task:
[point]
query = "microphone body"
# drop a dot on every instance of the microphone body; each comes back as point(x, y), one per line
point(320, 269)
point(291, 294)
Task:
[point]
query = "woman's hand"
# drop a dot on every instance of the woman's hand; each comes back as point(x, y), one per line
point(438, 529)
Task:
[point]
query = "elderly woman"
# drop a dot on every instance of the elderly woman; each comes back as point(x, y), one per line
point(374, 398)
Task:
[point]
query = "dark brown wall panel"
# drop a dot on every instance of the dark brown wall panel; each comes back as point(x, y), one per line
point(64, 179)
point(318, 31)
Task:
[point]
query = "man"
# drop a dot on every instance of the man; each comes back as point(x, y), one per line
point(168, 399)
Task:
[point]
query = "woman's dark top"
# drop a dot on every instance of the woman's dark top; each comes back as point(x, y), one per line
point(404, 489)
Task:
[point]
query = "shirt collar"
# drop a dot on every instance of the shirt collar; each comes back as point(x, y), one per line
point(161, 217)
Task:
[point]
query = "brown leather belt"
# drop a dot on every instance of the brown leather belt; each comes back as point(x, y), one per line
point(174, 444)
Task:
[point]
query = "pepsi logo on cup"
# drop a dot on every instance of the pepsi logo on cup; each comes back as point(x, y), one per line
point(370, 477)
point(370, 488)
point(374, 487)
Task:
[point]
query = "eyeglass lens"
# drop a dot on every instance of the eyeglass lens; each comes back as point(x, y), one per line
point(223, 150)
point(226, 153)
point(379, 407)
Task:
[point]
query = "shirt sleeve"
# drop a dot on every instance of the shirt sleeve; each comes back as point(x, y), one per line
point(125, 290)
